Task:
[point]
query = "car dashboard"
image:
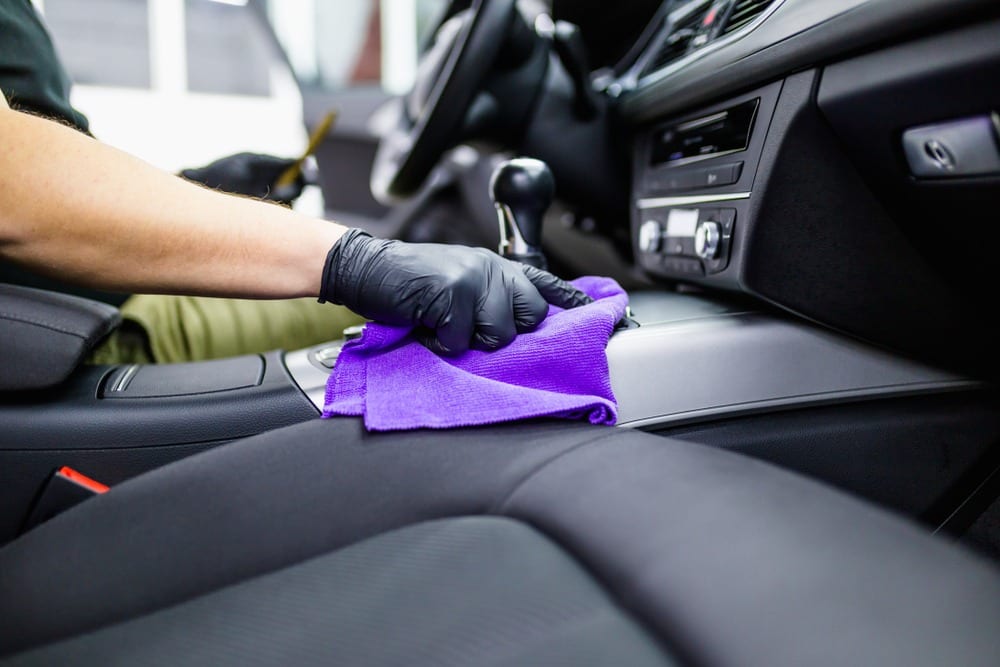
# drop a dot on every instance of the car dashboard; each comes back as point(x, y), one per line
point(821, 158)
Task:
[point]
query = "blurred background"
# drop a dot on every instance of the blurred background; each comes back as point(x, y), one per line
point(183, 82)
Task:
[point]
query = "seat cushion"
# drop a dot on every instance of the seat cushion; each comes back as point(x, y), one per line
point(723, 559)
point(456, 592)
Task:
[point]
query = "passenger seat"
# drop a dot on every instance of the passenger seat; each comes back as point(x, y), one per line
point(541, 543)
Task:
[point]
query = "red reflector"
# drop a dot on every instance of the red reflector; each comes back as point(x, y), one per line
point(710, 17)
point(82, 480)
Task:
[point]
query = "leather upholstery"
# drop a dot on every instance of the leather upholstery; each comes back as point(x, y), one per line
point(46, 335)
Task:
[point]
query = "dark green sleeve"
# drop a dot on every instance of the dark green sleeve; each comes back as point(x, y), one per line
point(31, 75)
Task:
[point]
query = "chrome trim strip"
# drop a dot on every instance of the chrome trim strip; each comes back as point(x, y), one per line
point(123, 381)
point(706, 120)
point(659, 202)
point(310, 379)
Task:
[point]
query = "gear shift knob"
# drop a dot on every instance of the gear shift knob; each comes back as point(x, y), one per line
point(521, 190)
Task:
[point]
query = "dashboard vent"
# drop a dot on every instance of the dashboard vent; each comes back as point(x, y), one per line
point(677, 42)
point(743, 12)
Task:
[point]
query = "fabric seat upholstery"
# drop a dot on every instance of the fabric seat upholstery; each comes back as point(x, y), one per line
point(476, 590)
point(722, 559)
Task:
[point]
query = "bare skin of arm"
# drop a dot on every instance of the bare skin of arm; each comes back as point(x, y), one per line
point(77, 209)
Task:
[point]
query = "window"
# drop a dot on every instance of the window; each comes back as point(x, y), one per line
point(203, 46)
point(333, 45)
point(228, 51)
point(102, 42)
point(178, 83)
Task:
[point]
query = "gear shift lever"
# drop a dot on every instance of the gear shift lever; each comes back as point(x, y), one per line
point(521, 190)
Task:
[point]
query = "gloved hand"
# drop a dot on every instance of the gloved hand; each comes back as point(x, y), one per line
point(464, 297)
point(250, 174)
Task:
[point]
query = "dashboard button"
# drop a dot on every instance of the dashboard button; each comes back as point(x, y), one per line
point(675, 179)
point(726, 218)
point(327, 356)
point(682, 266)
point(354, 331)
point(724, 174)
point(691, 178)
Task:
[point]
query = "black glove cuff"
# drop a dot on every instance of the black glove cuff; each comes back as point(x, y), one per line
point(328, 289)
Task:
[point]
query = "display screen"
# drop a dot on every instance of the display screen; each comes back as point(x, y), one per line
point(722, 132)
point(682, 222)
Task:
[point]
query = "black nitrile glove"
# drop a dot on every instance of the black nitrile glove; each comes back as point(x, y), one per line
point(464, 297)
point(250, 174)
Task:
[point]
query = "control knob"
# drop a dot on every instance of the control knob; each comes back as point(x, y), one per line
point(707, 239)
point(650, 235)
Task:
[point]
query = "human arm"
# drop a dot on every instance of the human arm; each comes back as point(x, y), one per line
point(72, 207)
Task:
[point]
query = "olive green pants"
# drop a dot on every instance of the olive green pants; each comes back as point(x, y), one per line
point(166, 329)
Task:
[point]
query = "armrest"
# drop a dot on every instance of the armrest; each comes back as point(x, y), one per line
point(45, 335)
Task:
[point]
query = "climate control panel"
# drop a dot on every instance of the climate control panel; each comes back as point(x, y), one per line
point(689, 241)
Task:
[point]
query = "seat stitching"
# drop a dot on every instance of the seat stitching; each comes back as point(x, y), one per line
point(500, 505)
point(14, 317)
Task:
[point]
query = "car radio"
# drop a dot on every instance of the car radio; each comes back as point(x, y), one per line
point(719, 133)
point(695, 176)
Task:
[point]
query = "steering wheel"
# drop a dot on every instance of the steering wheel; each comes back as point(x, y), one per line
point(451, 72)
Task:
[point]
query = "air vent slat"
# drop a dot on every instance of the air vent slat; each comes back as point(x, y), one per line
point(743, 12)
point(676, 44)
point(702, 23)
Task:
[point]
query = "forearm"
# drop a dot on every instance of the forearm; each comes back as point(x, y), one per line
point(80, 210)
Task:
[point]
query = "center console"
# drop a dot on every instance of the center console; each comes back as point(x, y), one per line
point(732, 374)
point(695, 358)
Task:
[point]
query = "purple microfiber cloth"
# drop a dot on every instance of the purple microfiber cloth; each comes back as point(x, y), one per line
point(558, 370)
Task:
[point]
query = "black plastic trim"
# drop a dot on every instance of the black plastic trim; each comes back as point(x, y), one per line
point(112, 440)
point(798, 35)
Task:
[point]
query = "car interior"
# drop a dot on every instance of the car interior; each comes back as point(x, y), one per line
point(806, 463)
